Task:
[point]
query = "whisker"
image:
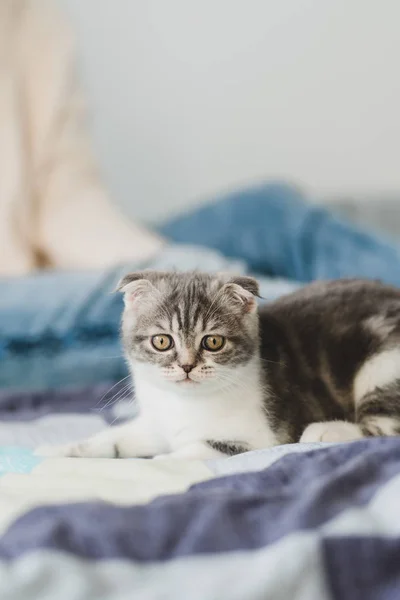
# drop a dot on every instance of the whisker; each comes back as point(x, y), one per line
point(122, 399)
point(117, 397)
point(111, 388)
point(273, 362)
point(121, 391)
point(235, 383)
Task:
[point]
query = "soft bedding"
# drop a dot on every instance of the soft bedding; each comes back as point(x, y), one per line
point(292, 522)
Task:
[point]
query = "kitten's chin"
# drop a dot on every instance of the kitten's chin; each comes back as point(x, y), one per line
point(199, 388)
point(188, 387)
point(187, 381)
point(177, 386)
point(185, 386)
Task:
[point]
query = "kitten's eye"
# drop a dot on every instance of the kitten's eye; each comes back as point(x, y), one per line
point(212, 343)
point(162, 342)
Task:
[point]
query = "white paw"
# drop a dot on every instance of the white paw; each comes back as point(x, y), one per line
point(87, 449)
point(331, 431)
point(53, 451)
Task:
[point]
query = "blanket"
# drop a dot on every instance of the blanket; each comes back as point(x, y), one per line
point(290, 522)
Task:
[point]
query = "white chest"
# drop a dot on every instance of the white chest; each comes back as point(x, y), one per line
point(229, 416)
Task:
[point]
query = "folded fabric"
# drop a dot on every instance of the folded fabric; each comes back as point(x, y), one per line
point(278, 232)
point(27, 481)
point(311, 525)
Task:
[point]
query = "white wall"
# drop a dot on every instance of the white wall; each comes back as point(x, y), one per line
point(191, 97)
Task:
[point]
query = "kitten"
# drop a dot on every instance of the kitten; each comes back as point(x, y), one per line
point(215, 376)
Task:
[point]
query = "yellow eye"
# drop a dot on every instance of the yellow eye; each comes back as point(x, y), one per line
point(212, 343)
point(162, 342)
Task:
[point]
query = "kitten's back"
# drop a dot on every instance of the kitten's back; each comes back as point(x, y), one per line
point(314, 341)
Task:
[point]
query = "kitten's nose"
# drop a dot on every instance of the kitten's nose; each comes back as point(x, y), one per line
point(187, 368)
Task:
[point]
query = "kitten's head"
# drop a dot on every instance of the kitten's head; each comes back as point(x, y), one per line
point(190, 331)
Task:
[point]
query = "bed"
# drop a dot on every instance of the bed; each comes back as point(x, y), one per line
point(291, 522)
point(297, 522)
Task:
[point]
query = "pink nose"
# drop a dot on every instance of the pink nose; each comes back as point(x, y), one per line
point(187, 368)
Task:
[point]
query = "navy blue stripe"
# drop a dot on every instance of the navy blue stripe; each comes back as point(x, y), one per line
point(239, 512)
point(362, 568)
point(27, 406)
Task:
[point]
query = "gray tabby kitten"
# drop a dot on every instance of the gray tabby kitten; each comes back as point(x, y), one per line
point(215, 376)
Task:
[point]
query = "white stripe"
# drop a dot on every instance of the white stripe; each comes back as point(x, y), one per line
point(66, 480)
point(52, 429)
point(378, 371)
point(257, 460)
point(290, 568)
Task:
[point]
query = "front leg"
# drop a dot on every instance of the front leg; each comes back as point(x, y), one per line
point(207, 450)
point(137, 438)
point(331, 431)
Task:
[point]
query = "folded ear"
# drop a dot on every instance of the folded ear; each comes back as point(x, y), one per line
point(136, 286)
point(247, 283)
point(243, 290)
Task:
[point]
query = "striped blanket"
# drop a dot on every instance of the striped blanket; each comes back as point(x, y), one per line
point(292, 522)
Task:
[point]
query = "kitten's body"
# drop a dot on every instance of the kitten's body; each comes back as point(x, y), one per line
point(334, 352)
point(321, 364)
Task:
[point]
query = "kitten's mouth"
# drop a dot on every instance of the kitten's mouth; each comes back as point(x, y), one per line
point(187, 381)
